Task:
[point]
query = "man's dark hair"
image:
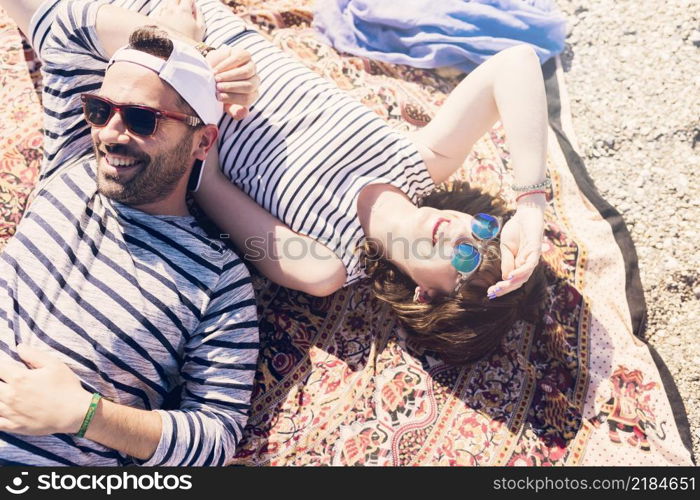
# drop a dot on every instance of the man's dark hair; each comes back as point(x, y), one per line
point(155, 41)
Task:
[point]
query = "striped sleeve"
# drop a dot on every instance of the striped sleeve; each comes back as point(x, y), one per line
point(68, 26)
point(64, 36)
point(217, 375)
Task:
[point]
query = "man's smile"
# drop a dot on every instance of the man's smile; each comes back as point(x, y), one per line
point(114, 165)
point(120, 161)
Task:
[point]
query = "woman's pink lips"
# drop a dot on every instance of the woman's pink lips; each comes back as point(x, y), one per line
point(437, 225)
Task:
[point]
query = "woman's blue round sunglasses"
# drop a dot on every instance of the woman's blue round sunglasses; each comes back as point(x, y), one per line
point(467, 257)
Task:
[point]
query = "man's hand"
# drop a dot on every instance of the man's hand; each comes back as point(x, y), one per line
point(44, 398)
point(237, 80)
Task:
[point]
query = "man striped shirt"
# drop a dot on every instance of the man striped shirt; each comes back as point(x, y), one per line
point(140, 307)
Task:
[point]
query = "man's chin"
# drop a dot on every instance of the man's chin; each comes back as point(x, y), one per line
point(112, 189)
point(118, 188)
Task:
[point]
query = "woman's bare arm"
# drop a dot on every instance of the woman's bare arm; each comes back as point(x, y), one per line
point(112, 34)
point(287, 258)
point(21, 11)
point(509, 87)
point(115, 35)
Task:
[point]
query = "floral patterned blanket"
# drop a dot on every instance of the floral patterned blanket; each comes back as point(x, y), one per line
point(338, 384)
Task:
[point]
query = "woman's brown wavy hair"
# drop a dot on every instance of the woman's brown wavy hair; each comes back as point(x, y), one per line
point(467, 326)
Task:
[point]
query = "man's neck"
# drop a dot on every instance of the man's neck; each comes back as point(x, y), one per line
point(165, 207)
point(174, 204)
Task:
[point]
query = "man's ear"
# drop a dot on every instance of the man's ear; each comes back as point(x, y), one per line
point(207, 140)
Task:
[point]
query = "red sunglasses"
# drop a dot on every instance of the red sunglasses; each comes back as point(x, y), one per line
point(139, 120)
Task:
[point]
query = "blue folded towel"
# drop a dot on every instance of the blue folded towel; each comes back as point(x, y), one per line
point(434, 33)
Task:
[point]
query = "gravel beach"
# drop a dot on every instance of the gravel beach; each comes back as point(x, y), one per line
point(632, 71)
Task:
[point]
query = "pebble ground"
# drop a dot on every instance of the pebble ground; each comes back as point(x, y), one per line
point(632, 71)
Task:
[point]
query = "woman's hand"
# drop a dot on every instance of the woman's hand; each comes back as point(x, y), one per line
point(521, 246)
point(237, 79)
point(182, 16)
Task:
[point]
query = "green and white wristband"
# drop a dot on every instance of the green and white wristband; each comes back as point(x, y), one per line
point(89, 414)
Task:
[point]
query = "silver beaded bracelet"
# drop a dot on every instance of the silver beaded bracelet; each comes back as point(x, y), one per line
point(542, 185)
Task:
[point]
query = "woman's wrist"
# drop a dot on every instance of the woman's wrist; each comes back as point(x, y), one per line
point(524, 188)
point(533, 200)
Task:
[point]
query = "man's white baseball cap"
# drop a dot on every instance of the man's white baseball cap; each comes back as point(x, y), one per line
point(186, 71)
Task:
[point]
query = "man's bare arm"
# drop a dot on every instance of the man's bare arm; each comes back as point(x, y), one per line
point(46, 397)
point(131, 431)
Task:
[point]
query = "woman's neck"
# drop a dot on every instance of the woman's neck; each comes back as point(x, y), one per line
point(383, 210)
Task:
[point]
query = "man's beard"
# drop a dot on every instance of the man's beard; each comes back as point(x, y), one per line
point(156, 180)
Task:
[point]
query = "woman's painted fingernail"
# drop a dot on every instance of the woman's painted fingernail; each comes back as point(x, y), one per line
point(510, 276)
